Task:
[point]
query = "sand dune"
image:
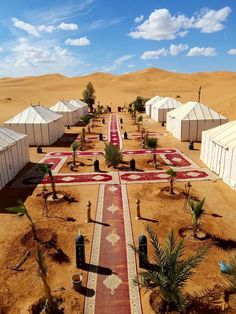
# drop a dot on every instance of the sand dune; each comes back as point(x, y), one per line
point(218, 89)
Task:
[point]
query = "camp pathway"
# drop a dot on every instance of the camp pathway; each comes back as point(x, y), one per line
point(114, 132)
point(111, 254)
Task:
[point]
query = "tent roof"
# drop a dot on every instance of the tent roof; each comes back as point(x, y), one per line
point(167, 102)
point(224, 135)
point(153, 100)
point(195, 111)
point(9, 137)
point(34, 114)
point(63, 106)
point(78, 103)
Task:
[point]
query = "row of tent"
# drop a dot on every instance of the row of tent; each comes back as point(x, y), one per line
point(196, 122)
point(43, 125)
point(36, 125)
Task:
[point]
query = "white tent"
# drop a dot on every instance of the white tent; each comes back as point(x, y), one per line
point(218, 151)
point(160, 108)
point(42, 125)
point(150, 103)
point(70, 113)
point(14, 154)
point(188, 122)
point(81, 105)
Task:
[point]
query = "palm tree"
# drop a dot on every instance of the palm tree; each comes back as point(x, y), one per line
point(170, 272)
point(74, 146)
point(50, 305)
point(46, 170)
point(22, 210)
point(85, 119)
point(172, 179)
point(196, 211)
point(152, 143)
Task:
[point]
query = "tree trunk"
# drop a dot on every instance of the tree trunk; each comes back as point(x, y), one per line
point(54, 194)
point(51, 308)
point(171, 186)
point(74, 154)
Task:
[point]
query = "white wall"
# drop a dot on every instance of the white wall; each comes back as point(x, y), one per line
point(12, 160)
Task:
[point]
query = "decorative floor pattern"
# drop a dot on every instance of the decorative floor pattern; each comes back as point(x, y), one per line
point(161, 176)
point(114, 288)
point(114, 132)
point(150, 151)
point(78, 153)
point(178, 160)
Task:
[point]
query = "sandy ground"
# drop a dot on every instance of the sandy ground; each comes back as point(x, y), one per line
point(218, 89)
point(18, 290)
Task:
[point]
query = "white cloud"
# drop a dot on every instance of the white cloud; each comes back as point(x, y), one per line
point(36, 30)
point(123, 59)
point(161, 25)
point(155, 54)
point(83, 41)
point(202, 51)
point(131, 66)
point(27, 58)
point(232, 52)
point(30, 29)
point(176, 49)
point(139, 19)
point(68, 26)
point(210, 21)
point(173, 50)
point(1, 49)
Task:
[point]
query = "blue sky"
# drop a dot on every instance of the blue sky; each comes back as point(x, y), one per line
point(78, 37)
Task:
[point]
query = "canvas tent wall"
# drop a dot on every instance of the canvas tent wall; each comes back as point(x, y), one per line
point(70, 113)
point(188, 122)
point(42, 125)
point(160, 108)
point(14, 154)
point(218, 151)
point(83, 107)
point(150, 103)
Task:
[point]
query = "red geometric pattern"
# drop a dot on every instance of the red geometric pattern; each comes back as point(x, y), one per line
point(162, 176)
point(113, 256)
point(78, 178)
point(67, 154)
point(177, 160)
point(113, 131)
point(52, 162)
point(148, 151)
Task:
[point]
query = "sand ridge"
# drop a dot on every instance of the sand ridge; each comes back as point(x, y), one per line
point(218, 89)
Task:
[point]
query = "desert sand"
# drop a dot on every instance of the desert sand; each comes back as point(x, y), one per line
point(218, 89)
point(19, 290)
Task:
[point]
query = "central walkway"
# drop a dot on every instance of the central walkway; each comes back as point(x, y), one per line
point(112, 281)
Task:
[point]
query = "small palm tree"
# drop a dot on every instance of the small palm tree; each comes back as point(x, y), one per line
point(170, 272)
point(50, 306)
point(152, 143)
point(22, 210)
point(196, 211)
point(74, 146)
point(231, 276)
point(46, 170)
point(113, 155)
point(172, 179)
point(85, 119)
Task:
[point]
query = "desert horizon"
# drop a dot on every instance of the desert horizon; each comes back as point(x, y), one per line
point(218, 89)
point(117, 157)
